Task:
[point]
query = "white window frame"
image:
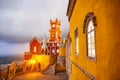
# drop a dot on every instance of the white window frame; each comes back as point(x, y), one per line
point(76, 41)
point(91, 49)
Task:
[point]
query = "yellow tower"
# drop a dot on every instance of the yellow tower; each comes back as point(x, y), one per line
point(55, 32)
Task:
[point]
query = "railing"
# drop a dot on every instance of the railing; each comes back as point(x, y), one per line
point(37, 63)
point(9, 72)
point(91, 77)
point(15, 68)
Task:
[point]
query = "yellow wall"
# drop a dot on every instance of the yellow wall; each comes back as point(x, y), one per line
point(107, 64)
point(62, 51)
point(44, 60)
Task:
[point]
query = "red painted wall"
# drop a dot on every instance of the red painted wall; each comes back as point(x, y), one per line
point(35, 43)
point(27, 56)
point(53, 46)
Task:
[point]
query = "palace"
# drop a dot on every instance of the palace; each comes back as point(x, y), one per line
point(93, 43)
point(46, 47)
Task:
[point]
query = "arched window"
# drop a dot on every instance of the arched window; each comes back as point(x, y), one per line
point(90, 39)
point(57, 44)
point(53, 51)
point(57, 50)
point(89, 30)
point(53, 44)
point(35, 49)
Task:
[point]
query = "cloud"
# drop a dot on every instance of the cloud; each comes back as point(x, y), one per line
point(21, 20)
point(7, 49)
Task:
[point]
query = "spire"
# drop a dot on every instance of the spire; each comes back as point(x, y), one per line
point(44, 45)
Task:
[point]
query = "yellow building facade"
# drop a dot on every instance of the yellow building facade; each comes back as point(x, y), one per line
point(61, 56)
point(62, 48)
point(95, 39)
point(62, 51)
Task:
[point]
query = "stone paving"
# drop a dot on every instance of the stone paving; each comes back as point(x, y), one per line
point(39, 76)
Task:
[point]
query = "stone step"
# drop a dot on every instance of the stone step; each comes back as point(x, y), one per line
point(50, 70)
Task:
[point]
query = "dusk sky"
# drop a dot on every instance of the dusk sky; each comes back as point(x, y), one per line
point(21, 20)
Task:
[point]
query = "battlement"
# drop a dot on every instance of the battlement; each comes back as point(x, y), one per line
point(55, 24)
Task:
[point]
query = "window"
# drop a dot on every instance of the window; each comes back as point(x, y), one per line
point(53, 36)
point(56, 33)
point(76, 41)
point(57, 50)
point(89, 30)
point(53, 45)
point(53, 26)
point(57, 44)
point(53, 51)
point(70, 47)
point(90, 39)
point(35, 49)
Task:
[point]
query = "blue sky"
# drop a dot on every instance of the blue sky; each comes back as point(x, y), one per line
point(21, 20)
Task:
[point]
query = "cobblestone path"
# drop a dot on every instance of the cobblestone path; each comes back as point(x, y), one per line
point(39, 76)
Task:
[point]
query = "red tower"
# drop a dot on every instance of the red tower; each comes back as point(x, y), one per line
point(55, 32)
point(55, 38)
point(35, 46)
